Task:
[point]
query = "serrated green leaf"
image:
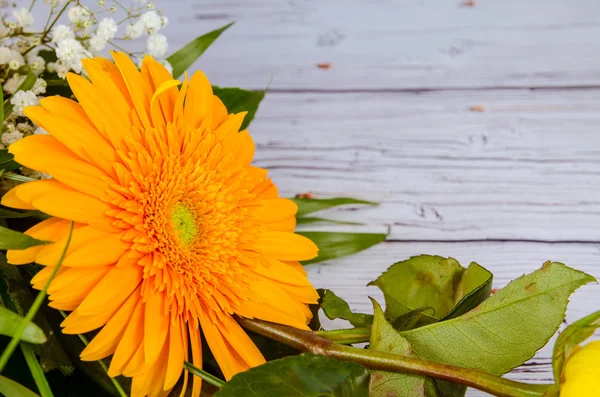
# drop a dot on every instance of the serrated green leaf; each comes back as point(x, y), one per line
point(570, 338)
point(305, 375)
point(12, 240)
point(435, 282)
point(508, 328)
point(474, 288)
point(25, 85)
point(308, 205)
point(185, 57)
point(335, 307)
point(238, 100)
point(334, 245)
point(384, 338)
point(10, 388)
point(10, 321)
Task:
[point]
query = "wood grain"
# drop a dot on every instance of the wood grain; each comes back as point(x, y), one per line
point(527, 168)
point(394, 44)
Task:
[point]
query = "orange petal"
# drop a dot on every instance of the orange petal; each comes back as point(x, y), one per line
point(287, 246)
point(10, 199)
point(46, 230)
point(219, 112)
point(198, 101)
point(196, 357)
point(156, 326)
point(132, 338)
point(139, 92)
point(176, 354)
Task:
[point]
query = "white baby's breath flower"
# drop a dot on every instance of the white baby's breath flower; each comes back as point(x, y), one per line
point(164, 21)
point(113, 9)
point(22, 99)
point(51, 67)
point(157, 45)
point(135, 30)
point(61, 69)
point(10, 137)
point(101, 3)
point(23, 17)
point(150, 5)
point(107, 29)
point(78, 15)
point(12, 84)
point(7, 55)
point(97, 43)
point(35, 62)
point(70, 52)
point(14, 64)
point(39, 87)
point(167, 66)
point(62, 32)
point(151, 22)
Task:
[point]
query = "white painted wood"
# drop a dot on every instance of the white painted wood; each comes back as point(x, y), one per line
point(526, 168)
point(391, 44)
point(349, 276)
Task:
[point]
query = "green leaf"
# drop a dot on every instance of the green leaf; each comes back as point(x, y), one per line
point(10, 388)
point(6, 213)
point(384, 338)
point(414, 318)
point(17, 297)
point(334, 245)
point(238, 100)
point(12, 240)
point(474, 287)
point(435, 282)
point(185, 57)
point(305, 375)
point(570, 338)
point(25, 85)
point(308, 205)
point(304, 220)
point(10, 321)
point(335, 307)
point(6, 161)
point(508, 328)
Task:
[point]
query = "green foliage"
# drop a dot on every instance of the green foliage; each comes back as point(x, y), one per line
point(6, 161)
point(6, 213)
point(10, 388)
point(508, 328)
point(25, 85)
point(10, 239)
point(335, 307)
point(570, 338)
point(238, 100)
point(308, 205)
point(334, 245)
point(11, 321)
point(385, 338)
point(306, 375)
point(186, 56)
point(441, 284)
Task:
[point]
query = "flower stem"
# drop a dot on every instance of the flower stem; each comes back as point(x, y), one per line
point(10, 348)
point(310, 342)
point(346, 336)
point(213, 380)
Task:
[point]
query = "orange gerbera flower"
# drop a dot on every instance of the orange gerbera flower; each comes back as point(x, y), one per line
point(174, 229)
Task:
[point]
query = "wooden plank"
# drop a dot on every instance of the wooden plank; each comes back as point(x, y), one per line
point(348, 277)
point(526, 168)
point(394, 44)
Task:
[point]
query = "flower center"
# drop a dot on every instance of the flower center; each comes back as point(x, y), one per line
point(184, 222)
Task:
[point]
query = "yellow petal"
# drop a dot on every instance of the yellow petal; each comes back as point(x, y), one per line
point(139, 92)
point(10, 199)
point(46, 230)
point(198, 101)
point(287, 246)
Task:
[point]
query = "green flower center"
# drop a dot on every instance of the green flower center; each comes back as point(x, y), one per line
point(184, 222)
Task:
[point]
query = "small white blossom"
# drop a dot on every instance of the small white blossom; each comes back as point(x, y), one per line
point(97, 43)
point(113, 9)
point(101, 3)
point(62, 32)
point(39, 87)
point(164, 21)
point(23, 17)
point(51, 67)
point(134, 31)
point(40, 131)
point(167, 66)
point(107, 29)
point(36, 62)
point(11, 85)
point(22, 99)
point(157, 45)
point(151, 21)
point(78, 15)
point(70, 52)
point(150, 5)
point(61, 70)
point(7, 55)
point(8, 138)
point(14, 64)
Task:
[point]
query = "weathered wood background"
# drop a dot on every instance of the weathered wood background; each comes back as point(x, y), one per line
point(390, 121)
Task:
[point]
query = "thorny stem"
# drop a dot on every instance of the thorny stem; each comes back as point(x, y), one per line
point(309, 342)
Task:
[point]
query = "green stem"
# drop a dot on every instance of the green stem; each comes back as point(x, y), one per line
point(39, 299)
point(346, 336)
point(309, 342)
point(17, 177)
point(36, 370)
point(213, 380)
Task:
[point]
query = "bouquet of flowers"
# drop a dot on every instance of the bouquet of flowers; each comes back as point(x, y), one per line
point(144, 255)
